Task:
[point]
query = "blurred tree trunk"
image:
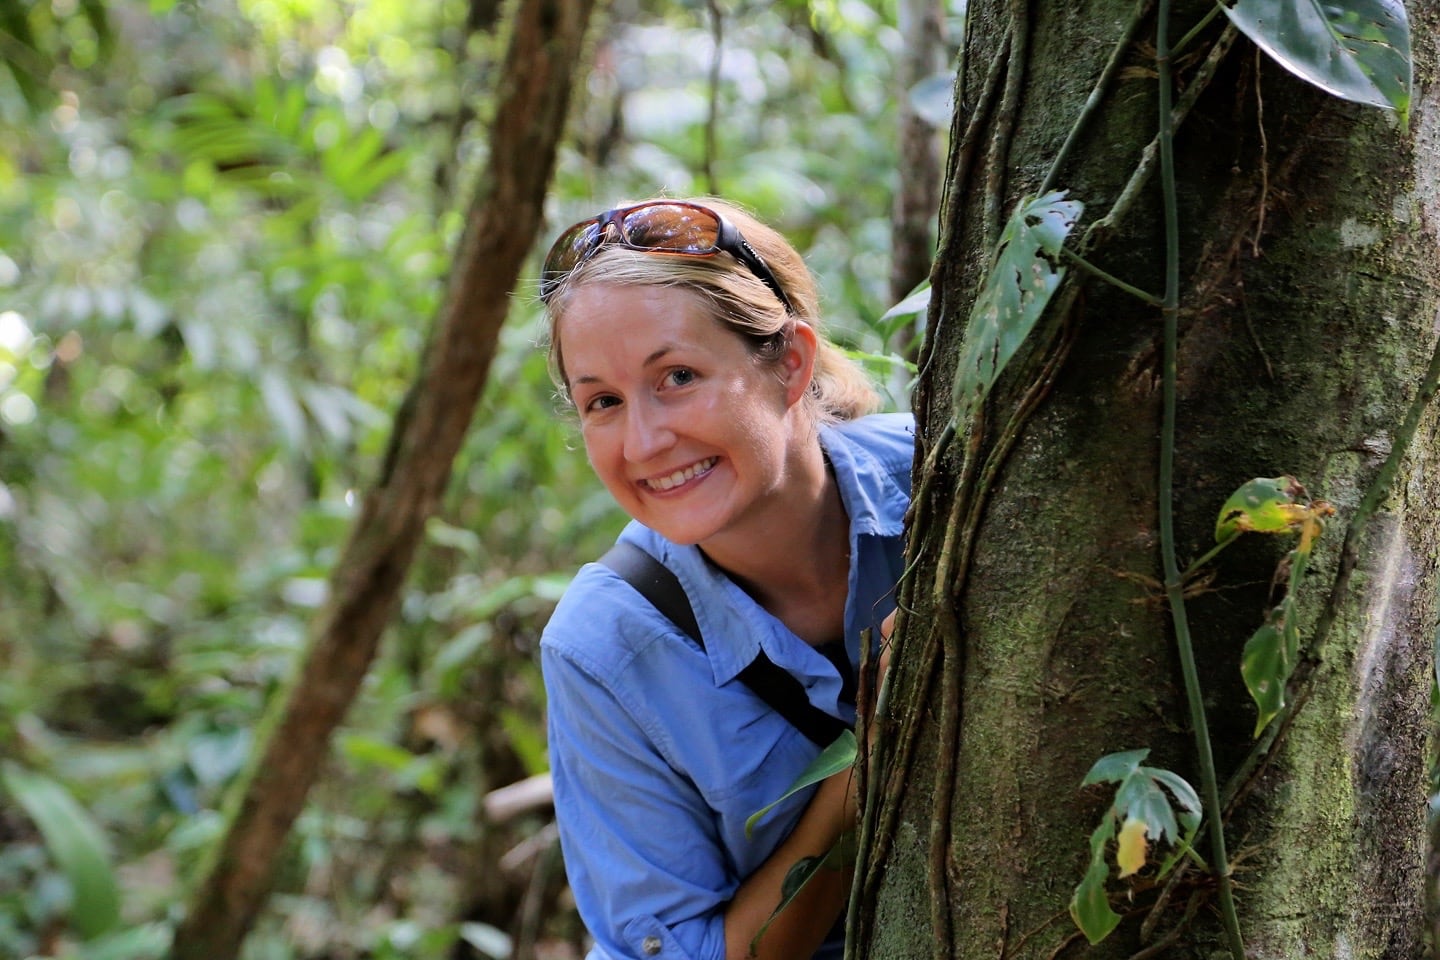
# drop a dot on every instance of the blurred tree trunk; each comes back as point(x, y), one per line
point(917, 192)
point(1038, 639)
point(505, 217)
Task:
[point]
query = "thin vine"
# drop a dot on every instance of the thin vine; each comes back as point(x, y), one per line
point(1174, 583)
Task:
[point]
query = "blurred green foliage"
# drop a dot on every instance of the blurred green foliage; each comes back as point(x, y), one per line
point(225, 228)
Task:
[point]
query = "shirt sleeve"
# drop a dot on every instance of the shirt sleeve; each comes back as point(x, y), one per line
point(642, 853)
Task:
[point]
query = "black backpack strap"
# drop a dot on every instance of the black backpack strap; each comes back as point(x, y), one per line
point(654, 581)
point(771, 683)
point(779, 688)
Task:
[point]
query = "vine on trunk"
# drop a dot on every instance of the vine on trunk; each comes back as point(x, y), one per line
point(1356, 49)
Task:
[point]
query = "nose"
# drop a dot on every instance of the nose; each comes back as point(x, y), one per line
point(648, 432)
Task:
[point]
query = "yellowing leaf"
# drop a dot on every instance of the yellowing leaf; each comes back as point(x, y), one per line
point(1131, 847)
point(1264, 505)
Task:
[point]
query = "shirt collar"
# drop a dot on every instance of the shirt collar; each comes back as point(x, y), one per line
point(734, 626)
point(872, 497)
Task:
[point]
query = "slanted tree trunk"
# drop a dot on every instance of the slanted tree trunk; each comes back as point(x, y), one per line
point(1038, 637)
point(505, 217)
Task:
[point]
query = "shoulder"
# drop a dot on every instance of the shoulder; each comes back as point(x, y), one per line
point(886, 436)
point(601, 624)
point(871, 458)
point(887, 439)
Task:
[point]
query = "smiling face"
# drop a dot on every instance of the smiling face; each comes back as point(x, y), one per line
point(692, 434)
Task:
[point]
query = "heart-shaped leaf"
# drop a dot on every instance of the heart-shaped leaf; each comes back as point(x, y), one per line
point(1263, 505)
point(1269, 659)
point(1357, 50)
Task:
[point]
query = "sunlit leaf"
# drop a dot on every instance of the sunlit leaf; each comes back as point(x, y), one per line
point(443, 534)
point(913, 305)
point(489, 940)
point(76, 843)
point(1354, 49)
point(1015, 292)
point(149, 941)
point(1263, 505)
point(374, 752)
point(284, 408)
point(839, 756)
point(216, 756)
point(933, 97)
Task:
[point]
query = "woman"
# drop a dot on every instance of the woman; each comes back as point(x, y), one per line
point(688, 339)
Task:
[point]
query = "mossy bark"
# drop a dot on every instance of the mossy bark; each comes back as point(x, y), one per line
point(1308, 318)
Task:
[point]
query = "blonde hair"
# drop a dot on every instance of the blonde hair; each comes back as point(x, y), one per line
point(839, 388)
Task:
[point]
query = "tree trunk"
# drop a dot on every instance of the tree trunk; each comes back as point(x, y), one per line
point(1037, 636)
point(505, 218)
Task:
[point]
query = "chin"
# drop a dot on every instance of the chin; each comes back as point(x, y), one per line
point(682, 534)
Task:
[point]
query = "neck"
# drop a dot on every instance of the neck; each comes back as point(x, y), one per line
point(798, 552)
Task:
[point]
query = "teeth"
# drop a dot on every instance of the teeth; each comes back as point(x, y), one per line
point(680, 476)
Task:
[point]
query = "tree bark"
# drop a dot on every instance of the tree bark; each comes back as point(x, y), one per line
point(1035, 637)
point(504, 220)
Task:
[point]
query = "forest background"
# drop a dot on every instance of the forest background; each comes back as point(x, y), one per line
point(226, 227)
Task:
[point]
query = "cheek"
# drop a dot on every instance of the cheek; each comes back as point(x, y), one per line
point(598, 449)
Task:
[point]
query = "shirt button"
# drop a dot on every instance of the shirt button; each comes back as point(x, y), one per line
point(651, 946)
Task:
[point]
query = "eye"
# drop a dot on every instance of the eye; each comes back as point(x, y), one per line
point(599, 402)
point(681, 377)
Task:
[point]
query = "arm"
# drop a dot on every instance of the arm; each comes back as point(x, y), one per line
point(801, 927)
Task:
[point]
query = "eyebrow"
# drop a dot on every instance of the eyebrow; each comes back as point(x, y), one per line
point(657, 355)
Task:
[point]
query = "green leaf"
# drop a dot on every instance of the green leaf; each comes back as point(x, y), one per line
point(839, 756)
point(1114, 767)
point(284, 408)
point(913, 305)
point(1140, 798)
point(1185, 795)
point(1263, 505)
point(443, 534)
point(1357, 50)
point(75, 842)
point(931, 99)
point(1089, 906)
point(1268, 660)
point(369, 751)
point(150, 941)
point(489, 940)
point(796, 877)
point(1015, 292)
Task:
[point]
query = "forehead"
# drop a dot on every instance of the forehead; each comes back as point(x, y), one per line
point(602, 316)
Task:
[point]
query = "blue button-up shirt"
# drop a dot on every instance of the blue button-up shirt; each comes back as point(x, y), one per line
point(659, 754)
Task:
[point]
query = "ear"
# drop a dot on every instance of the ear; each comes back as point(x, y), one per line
point(797, 364)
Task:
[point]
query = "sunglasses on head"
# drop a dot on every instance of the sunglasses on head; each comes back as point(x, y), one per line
point(666, 226)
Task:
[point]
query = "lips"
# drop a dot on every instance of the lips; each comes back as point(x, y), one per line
point(672, 480)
